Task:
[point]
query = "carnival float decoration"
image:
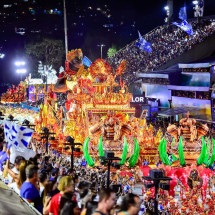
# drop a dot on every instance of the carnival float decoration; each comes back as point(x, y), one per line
point(97, 113)
point(15, 94)
point(187, 143)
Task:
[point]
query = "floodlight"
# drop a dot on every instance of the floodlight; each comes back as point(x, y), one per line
point(22, 71)
point(20, 63)
point(166, 8)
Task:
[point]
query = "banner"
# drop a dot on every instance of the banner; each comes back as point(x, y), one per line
point(185, 26)
point(17, 135)
point(183, 13)
point(143, 44)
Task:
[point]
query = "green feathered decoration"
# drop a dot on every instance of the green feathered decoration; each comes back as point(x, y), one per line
point(212, 158)
point(203, 153)
point(162, 151)
point(124, 152)
point(87, 156)
point(100, 148)
point(160, 147)
point(181, 152)
point(134, 158)
point(165, 155)
point(130, 160)
point(205, 161)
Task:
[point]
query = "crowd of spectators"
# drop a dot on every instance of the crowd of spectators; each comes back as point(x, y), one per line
point(47, 182)
point(196, 70)
point(167, 42)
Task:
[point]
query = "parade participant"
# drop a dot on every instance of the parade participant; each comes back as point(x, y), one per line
point(130, 205)
point(107, 200)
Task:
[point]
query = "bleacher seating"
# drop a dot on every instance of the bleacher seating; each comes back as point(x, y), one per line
point(167, 41)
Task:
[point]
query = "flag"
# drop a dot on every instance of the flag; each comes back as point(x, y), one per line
point(17, 135)
point(143, 44)
point(185, 26)
point(86, 61)
point(7, 131)
point(183, 13)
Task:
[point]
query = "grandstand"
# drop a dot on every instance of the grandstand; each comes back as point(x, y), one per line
point(170, 45)
point(174, 74)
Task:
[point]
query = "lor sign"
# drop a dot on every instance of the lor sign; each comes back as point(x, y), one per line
point(138, 99)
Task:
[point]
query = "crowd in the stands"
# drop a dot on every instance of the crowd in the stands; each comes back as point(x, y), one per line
point(167, 42)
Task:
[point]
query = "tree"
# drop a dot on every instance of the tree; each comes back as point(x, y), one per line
point(111, 51)
point(48, 51)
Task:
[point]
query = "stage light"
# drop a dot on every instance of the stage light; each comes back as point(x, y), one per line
point(10, 117)
point(149, 185)
point(77, 149)
point(66, 148)
point(45, 130)
point(52, 138)
point(69, 139)
point(25, 122)
point(164, 186)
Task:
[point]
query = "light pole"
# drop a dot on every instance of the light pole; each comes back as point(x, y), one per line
point(169, 11)
point(45, 135)
point(108, 159)
point(101, 47)
point(157, 179)
point(71, 143)
point(65, 26)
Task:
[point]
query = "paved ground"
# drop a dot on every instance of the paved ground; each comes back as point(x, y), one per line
point(12, 204)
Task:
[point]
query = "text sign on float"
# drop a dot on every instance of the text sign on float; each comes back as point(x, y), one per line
point(138, 99)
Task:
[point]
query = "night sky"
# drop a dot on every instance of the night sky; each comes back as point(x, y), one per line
point(90, 22)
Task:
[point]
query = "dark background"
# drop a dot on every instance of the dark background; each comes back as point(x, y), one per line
point(115, 23)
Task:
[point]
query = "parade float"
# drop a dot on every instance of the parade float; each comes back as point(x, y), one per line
point(15, 94)
point(97, 114)
point(98, 111)
point(187, 143)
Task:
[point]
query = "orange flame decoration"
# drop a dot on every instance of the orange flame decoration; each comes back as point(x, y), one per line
point(100, 68)
point(121, 68)
point(73, 54)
